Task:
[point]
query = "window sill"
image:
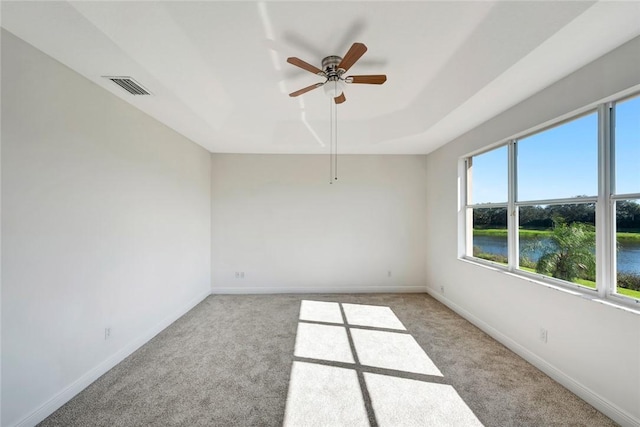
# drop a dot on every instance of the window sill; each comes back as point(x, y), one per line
point(620, 303)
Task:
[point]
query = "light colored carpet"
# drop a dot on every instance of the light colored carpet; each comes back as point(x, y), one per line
point(234, 361)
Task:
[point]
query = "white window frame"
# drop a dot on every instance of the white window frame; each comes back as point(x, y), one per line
point(604, 201)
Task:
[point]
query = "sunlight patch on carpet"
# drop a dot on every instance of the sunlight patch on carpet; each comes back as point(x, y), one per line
point(405, 402)
point(324, 396)
point(323, 342)
point(372, 315)
point(320, 311)
point(391, 350)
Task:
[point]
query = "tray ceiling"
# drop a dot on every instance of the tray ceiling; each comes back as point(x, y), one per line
point(218, 75)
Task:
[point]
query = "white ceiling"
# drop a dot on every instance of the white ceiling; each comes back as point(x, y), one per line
point(218, 70)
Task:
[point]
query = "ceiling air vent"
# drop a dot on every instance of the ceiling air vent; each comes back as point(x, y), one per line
point(128, 84)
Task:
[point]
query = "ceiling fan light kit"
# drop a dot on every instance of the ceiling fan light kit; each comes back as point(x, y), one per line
point(333, 69)
point(334, 88)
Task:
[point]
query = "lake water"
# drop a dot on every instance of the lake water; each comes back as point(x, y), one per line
point(628, 253)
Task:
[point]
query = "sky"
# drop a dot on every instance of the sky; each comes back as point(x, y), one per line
point(562, 162)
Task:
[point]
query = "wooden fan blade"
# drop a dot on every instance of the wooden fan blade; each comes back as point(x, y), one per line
point(304, 65)
point(306, 89)
point(354, 53)
point(375, 79)
point(340, 99)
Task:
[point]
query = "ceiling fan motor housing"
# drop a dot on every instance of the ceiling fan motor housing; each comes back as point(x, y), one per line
point(330, 66)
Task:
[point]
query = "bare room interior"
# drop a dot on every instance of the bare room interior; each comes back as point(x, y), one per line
point(320, 213)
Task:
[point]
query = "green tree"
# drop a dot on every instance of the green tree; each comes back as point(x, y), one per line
point(490, 217)
point(569, 253)
point(576, 212)
point(628, 215)
point(534, 217)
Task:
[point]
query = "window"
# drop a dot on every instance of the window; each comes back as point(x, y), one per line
point(560, 162)
point(536, 204)
point(626, 195)
point(560, 167)
point(488, 173)
point(487, 177)
point(558, 240)
point(628, 247)
point(490, 234)
point(627, 146)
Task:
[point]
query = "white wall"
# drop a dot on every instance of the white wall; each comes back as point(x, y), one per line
point(592, 348)
point(289, 230)
point(106, 223)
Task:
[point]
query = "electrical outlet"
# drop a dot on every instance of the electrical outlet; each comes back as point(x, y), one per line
point(442, 290)
point(107, 333)
point(389, 273)
point(543, 335)
point(237, 274)
point(242, 274)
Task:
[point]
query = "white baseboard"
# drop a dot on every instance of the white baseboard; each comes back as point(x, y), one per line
point(317, 290)
point(50, 406)
point(608, 408)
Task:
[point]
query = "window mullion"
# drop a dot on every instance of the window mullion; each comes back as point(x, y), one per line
point(465, 213)
point(512, 210)
point(605, 238)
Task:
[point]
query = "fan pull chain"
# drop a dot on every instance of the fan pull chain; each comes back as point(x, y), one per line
point(331, 140)
point(335, 167)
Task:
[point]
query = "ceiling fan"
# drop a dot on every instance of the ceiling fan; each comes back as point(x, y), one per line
point(333, 69)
